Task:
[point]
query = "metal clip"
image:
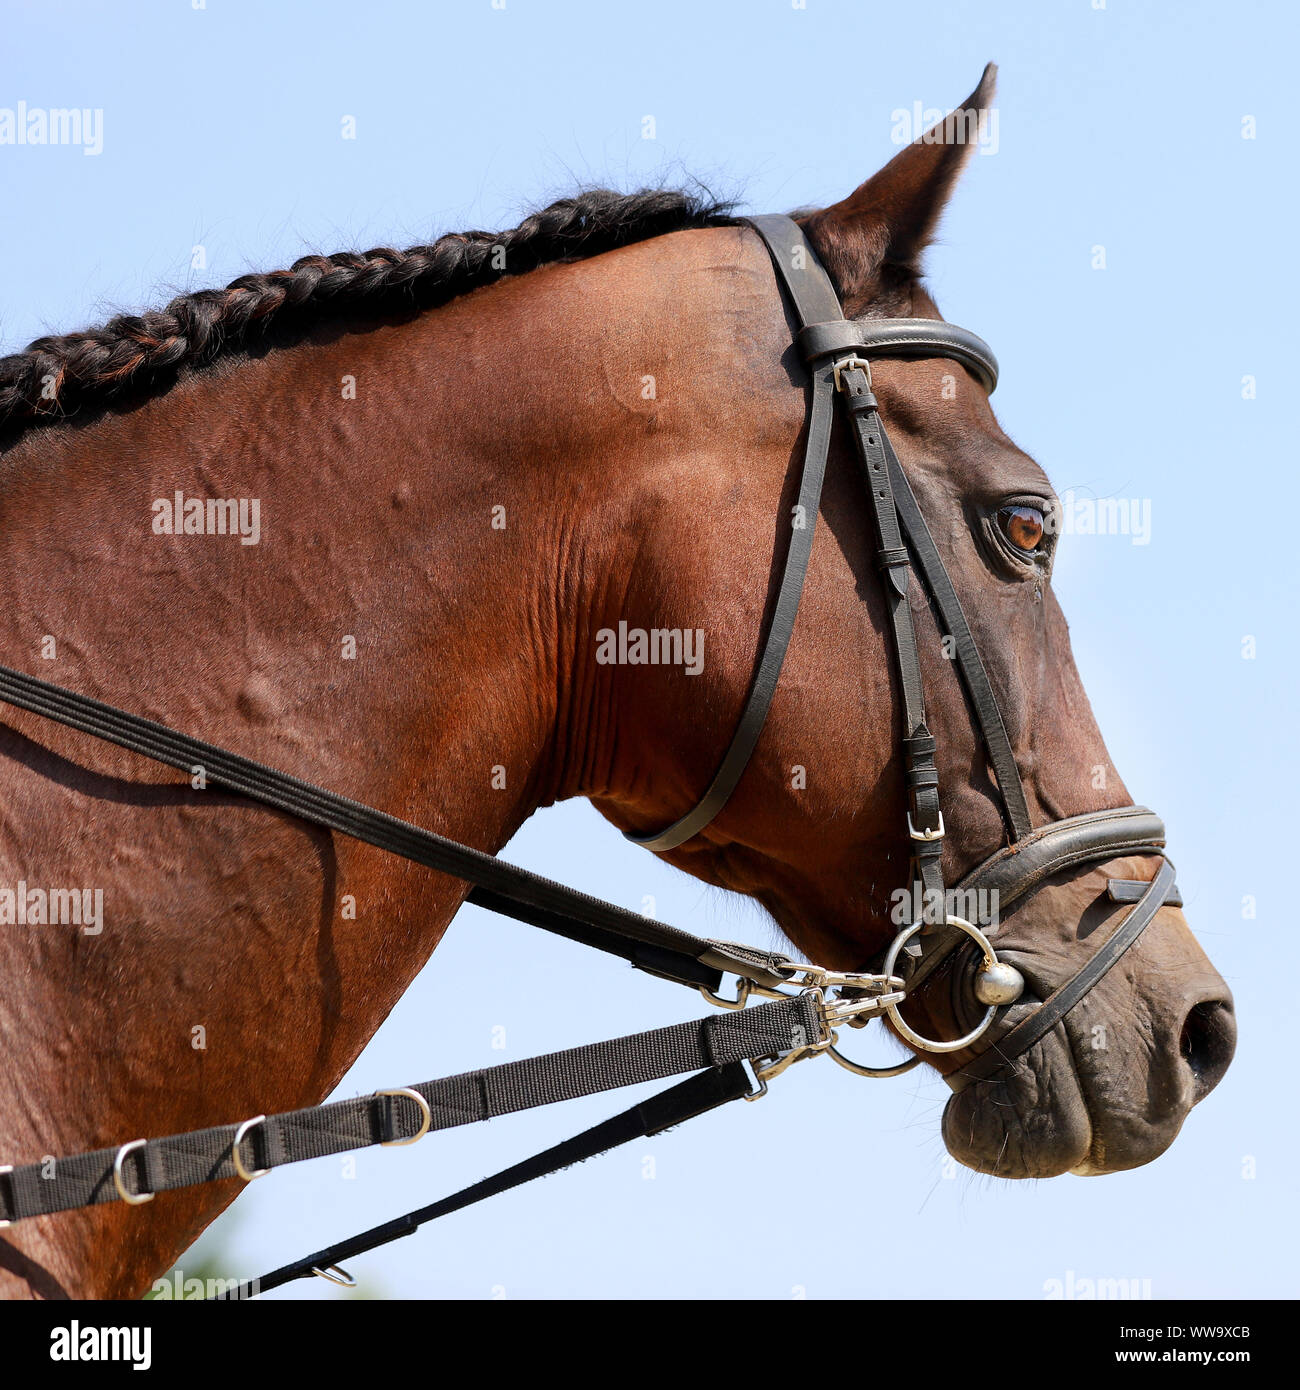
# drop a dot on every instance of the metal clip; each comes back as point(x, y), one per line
point(837, 1011)
point(426, 1117)
point(743, 988)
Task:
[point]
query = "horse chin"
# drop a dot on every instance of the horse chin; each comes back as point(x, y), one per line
point(1054, 1116)
point(1035, 1124)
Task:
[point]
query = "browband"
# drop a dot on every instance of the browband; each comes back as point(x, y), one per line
point(901, 338)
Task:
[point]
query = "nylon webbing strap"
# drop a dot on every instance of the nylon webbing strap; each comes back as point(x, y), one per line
point(664, 950)
point(183, 1160)
point(683, 1102)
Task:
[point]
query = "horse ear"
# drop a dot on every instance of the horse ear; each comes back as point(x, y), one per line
point(875, 236)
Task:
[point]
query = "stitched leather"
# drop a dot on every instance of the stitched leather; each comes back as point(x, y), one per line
point(1024, 866)
point(979, 690)
point(997, 1056)
point(1130, 890)
point(930, 338)
point(1109, 834)
point(823, 334)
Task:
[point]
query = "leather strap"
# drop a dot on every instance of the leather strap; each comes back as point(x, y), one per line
point(800, 271)
point(793, 573)
point(1130, 890)
point(1024, 866)
point(653, 946)
point(1111, 834)
point(918, 338)
point(823, 335)
point(921, 775)
point(979, 690)
point(998, 1055)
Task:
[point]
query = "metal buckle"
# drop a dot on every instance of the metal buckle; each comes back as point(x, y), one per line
point(248, 1174)
point(847, 364)
point(7, 1168)
point(425, 1121)
point(925, 834)
point(132, 1199)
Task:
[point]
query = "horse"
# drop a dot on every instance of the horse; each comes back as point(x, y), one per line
point(444, 477)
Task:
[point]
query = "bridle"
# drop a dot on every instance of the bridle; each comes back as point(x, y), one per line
point(733, 1054)
point(838, 352)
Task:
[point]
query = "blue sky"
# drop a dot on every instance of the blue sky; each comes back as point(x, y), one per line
point(1119, 127)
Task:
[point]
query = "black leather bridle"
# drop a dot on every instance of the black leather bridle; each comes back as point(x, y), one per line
point(730, 1052)
point(838, 353)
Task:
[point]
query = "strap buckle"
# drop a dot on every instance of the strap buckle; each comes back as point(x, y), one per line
point(927, 833)
point(848, 364)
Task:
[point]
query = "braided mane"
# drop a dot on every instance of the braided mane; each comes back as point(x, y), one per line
point(133, 356)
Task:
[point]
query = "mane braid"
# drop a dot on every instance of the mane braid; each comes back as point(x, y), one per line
point(139, 355)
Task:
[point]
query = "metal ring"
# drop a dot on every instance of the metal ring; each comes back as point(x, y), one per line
point(333, 1273)
point(858, 1069)
point(7, 1168)
point(929, 1044)
point(245, 1173)
point(133, 1199)
point(424, 1124)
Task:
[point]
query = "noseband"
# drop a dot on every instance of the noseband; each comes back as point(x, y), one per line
point(838, 354)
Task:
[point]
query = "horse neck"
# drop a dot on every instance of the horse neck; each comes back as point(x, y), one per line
point(391, 635)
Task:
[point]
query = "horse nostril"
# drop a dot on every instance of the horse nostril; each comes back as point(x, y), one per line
point(1208, 1040)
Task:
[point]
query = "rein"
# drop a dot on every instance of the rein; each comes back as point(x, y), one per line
point(734, 1054)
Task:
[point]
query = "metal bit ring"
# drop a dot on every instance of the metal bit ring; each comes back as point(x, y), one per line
point(910, 1033)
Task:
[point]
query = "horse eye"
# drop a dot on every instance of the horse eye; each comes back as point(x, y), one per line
point(1022, 526)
